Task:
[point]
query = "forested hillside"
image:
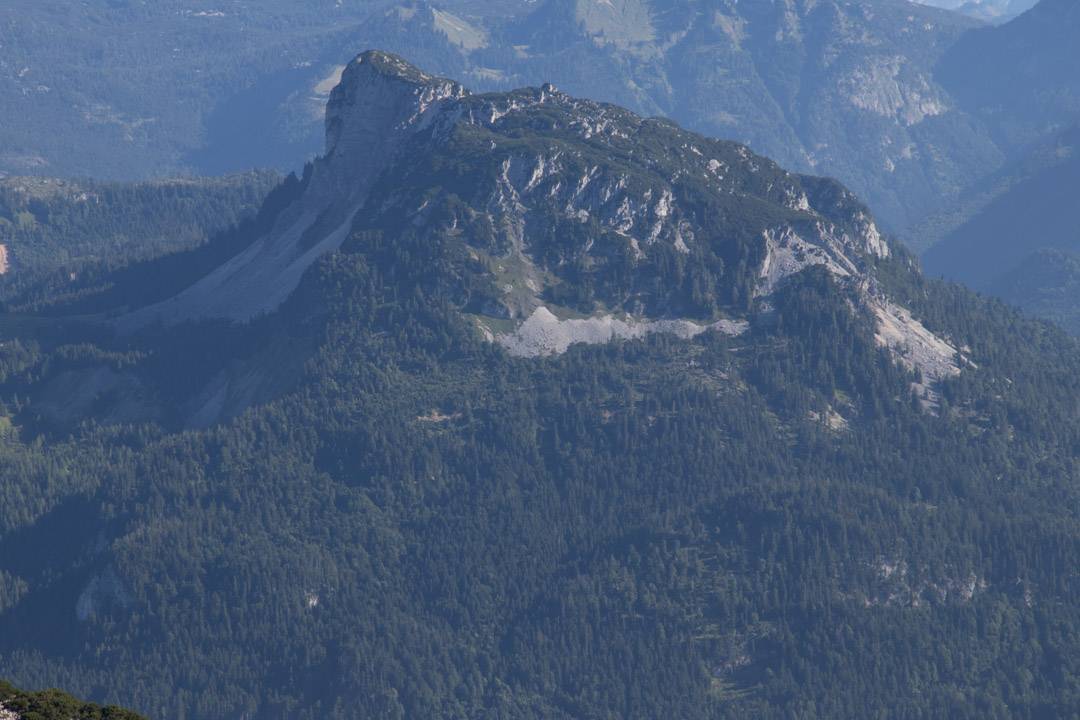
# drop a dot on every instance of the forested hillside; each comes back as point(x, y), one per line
point(1046, 285)
point(797, 480)
point(59, 238)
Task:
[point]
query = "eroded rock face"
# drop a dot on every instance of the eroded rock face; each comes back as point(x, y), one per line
point(913, 344)
point(380, 102)
point(543, 333)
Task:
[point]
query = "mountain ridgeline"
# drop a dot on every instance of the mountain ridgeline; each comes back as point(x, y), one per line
point(890, 97)
point(522, 405)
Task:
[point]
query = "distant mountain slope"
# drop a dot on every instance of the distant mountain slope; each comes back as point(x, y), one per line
point(1046, 284)
point(1018, 236)
point(1029, 207)
point(992, 10)
point(583, 415)
point(1021, 79)
point(130, 90)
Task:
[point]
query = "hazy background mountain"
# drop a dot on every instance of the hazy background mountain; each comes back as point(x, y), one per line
point(1021, 79)
point(126, 89)
point(836, 88)
point(991, 10)
point(1027, 207)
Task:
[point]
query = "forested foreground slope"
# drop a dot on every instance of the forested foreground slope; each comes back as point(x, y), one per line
point(584, 416)
point(16, 704)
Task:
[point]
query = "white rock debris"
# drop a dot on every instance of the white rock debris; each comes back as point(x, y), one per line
point(875, 243)
point(787, 252)
point(4, 263)
point(545, 334)
point(896, 586)
point(913, 344)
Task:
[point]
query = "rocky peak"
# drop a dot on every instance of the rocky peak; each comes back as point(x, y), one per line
point(584, 221)
point(381, 99)
point(379, 104)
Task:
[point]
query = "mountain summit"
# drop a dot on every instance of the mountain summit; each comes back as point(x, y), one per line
point(581, 221)
point(380, 103)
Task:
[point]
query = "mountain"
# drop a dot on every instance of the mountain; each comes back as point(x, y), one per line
point(1016, 213)
point(16, 704)
point(1046, 285)
point(836, 88)
point(1021, 78)
point(582, 415)
point(583, 179)
point(991, 10)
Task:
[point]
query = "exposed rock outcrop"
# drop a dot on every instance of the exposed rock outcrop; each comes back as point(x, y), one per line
point(380, 102)
point(545, 334)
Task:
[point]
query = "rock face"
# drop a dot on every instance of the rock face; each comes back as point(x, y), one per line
point(380, 102)
point(844, 89)
point(582, 222)
point(992, 10)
